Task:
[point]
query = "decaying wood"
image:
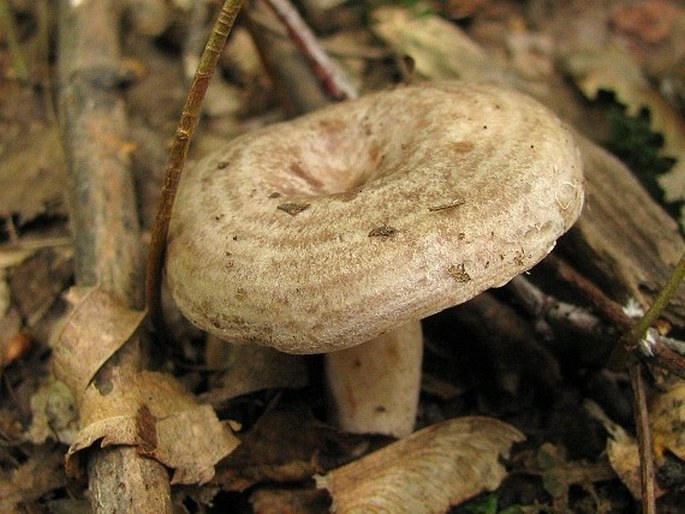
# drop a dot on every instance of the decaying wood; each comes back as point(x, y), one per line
point(105, 222)
point(624, 240)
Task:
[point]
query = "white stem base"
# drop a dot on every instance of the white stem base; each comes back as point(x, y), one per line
point(374, 387)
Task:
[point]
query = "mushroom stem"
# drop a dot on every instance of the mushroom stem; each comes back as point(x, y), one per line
point(374, 387)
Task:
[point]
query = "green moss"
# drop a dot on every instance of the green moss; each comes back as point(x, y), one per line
point(488, 504)
point(633, 141)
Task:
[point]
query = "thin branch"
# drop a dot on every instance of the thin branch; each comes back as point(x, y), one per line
point(658, 306)
point(653, 347)
point(553, 311)
point(644, 438)
point(105, 222)
point(662, 351)
point(179, 151)
point(608, 309)
point(331, 75)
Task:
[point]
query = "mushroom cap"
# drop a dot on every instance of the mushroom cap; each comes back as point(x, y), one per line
point(323, 232)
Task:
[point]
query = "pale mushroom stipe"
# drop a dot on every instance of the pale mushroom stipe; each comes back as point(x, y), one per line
point(327, 231)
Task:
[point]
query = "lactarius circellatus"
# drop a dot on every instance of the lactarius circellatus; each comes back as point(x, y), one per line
point(356, 221)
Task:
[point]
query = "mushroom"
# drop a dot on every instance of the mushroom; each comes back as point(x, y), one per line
point(337, 232)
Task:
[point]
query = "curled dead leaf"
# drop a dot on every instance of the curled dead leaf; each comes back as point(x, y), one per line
point(40, 474)
point(32, 175)
point(150, 411)
point(426, 472)
point(96, 328)
point(438, 48)
point(614, 69)
point(153, 412)
point(622, 451)
point(667, 413)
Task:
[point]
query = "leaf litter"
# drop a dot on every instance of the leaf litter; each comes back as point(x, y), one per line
point(283, 449)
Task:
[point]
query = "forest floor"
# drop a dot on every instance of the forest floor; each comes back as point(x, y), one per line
point(533, 373)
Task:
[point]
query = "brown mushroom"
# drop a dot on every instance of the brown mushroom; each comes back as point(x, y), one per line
point(321, 233)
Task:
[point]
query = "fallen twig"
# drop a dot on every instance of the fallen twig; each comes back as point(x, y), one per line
point(105, 223)
point(644, 437)
point(332, 76)
point(638, 337)
point(551, 312)
point(605, 307)
point(610, 320)
point(177, 157)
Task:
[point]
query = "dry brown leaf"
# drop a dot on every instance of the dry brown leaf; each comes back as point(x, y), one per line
point(292, 501)
point(651, 21)
point(32, 176)
point(246, 369)
point(624, 457)
point(622, 451)
point(153, 412)
point(440, 49)
point(609, 69)
point(667, 413)
point(41, 473)
point(148, 410)
point(286, 445)
point(191, 442)
point(96, 328)
point(426, 472)
point(37, 282)
point(613, 69)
